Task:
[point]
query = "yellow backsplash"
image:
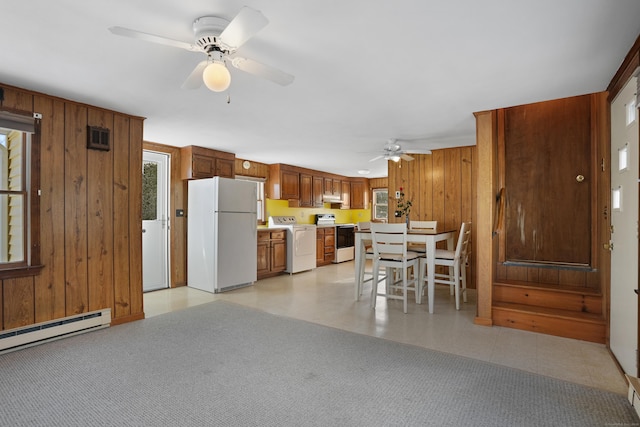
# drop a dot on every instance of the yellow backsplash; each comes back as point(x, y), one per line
point(307, 215)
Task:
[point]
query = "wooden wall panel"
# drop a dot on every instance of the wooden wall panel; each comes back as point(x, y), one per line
point(90, 220)
point(121, 248)
point(440, 186)
point(75, 211)
point(18, 99)
point(378, 183)
point(50, 284)
point(256, 169)
point(452, 189)
point(135, 214)
point(100, 216)
point(18, 297)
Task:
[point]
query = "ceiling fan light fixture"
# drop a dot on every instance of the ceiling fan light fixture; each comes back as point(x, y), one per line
point(216, 77)
point(394, 158)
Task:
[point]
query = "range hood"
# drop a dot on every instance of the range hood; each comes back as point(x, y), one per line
point(331, 198)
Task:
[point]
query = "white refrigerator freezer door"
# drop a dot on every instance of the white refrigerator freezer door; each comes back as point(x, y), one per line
point(235, 196)
point(236, 263)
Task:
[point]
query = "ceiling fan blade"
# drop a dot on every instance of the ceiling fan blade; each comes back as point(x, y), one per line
point(376, 158)
point(194, 81)
point(418, 151)
point(126, 32)
point(265, 71)
point(241, 28)
point(406, 157)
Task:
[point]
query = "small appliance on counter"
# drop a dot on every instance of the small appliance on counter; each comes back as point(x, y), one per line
point(301, 243)
point(345, 239)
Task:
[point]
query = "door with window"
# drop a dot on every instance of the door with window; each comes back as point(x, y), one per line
point(624, 228)
point(155, 221)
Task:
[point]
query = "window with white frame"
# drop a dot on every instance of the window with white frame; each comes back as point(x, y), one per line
point(631, 111)
point(380, 210)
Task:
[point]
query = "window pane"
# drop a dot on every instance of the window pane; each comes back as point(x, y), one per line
point(12, 227)
point(381, 212)
point(11, 160)
point(149, 191)
point(382, 197)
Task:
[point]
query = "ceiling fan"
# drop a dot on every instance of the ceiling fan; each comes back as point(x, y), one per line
point(218, 39)
point(394, 152)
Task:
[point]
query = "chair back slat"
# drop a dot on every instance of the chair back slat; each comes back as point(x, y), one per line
point(423, 225)
point(389, 239)
point(463, 240)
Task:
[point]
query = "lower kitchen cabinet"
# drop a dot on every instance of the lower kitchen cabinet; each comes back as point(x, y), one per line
point(272, 252)
point(325, 245)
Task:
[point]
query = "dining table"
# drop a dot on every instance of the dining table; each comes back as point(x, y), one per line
point(428, 237)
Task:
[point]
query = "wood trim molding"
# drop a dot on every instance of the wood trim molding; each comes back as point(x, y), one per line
point(627, 68)
point(485, 207)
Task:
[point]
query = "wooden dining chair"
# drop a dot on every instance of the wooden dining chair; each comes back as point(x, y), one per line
point(456, 260)
point(366, 275)
point(421, 225)
point(390, 251)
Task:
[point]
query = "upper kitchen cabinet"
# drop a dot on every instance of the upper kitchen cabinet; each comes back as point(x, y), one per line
point(284, 183)
point(310, 188)
point(318, 190)
point(346, 195)
point(306, 190)
point(359, 194)
point(198, 162)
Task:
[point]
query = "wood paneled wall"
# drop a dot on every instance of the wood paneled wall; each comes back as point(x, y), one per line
point(256, 169)
point(90, 217)
point(440, 186)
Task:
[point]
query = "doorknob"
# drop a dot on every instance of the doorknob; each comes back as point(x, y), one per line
point(608, 246)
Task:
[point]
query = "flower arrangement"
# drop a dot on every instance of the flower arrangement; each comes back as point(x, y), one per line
point(403, 207)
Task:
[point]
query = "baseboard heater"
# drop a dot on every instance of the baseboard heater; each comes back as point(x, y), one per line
point(27, 336)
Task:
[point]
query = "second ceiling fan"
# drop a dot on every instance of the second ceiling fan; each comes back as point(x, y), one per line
point(393, 151)
point(219, 39)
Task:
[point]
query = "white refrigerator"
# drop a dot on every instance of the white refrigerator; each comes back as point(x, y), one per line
point(221, 234)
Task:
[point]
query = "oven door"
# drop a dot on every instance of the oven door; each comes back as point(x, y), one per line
point(345, 240)
point(345, 237)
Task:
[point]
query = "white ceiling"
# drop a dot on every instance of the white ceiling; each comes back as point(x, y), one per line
point(365, 70)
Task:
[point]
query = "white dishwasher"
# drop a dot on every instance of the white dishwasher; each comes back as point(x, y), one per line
point(301, 243)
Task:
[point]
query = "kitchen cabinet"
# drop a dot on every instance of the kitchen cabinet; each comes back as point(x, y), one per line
point(272, 252)
point(284, 182)
point(310, 188)
point(332, 186)
point(359, 194)
point(306, 190)
point(199, 162)
point(346, 195)
point(337, 188)
point(325, 245)
point(328, 186)
point(318, 190)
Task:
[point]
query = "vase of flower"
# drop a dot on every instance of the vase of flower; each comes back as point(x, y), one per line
point(403, 207)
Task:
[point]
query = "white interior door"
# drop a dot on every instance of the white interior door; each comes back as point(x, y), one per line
point(624, 222)
point(155, 223)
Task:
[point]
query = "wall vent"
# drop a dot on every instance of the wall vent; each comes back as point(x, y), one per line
point(98, 138)
point(27, 336)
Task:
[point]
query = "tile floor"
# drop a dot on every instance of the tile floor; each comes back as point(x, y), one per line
point(326, 296)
